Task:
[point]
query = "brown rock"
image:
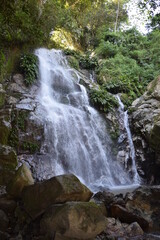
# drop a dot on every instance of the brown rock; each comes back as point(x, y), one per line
point(145, 202)
point(58, 189)
point(8, 163)
point(23, 177)
point(77, 220)
point(124, 215)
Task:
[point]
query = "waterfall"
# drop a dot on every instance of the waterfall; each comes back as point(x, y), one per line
point(124, 116)
point(76, 138)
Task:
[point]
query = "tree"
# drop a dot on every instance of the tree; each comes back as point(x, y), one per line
point(153, 7)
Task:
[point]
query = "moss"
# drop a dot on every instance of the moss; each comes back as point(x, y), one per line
point(73, 62)
point(4, 134)
point(2, 99)
point(30, 146)
point(114, 132)
point(13, 138)
point(21, 120)
point(8, 158)
point(127, 101)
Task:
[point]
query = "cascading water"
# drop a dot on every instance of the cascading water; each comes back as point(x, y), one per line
point(76, 139)
point(124, 114)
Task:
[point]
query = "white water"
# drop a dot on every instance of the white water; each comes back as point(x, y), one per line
point(124, 114)
point(76, 139)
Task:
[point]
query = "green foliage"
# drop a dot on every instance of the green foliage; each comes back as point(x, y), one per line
point(28, 22)
point(73, 62)
point(30, 146)
point(88, 62)
point(84, 61)
point(21, 120)
point(8, 62)
point(29, 67)
point(102, 99)
point(128, 62)
point(152, 7)
point(18, 122)
point(106, 49)
point(114, 132)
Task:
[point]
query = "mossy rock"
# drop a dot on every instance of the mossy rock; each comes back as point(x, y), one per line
point(59, 189)
point(74, 220)
point(2, 96)
point(8, 157)
point(8, 163)
point(23, 177)
point(5, 126)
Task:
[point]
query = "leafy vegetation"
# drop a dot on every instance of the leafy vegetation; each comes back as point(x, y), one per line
point(29, 67)
point(124, 61)
point(103, 100)
point(128, 61)
point(30, 146)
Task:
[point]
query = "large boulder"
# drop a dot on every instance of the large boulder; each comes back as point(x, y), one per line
point(58, 189)
point(146, 132)
point(145, 202)
point(23, 177)
point(8, 163)
point(74, 220)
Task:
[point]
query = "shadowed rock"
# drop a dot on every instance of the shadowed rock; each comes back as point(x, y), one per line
point(78, 220)
point(58, 189)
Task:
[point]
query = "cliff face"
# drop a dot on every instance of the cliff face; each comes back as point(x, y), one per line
point(146, 131)
point(20, 133)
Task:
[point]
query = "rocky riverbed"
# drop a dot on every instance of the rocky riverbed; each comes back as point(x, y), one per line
point(62, 208)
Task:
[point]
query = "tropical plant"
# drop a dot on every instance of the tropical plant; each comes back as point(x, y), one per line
point(29, 67)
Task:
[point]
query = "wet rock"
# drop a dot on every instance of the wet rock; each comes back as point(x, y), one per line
point(134, 230)
point(8, 163)
point(146, 129)
point(117, 230)
point(58, 189)
point(5, 125)
point(127, 216)
point(114, 228)
point(23, 177)
point(4, 221)
point(17, 85)
point(79, 220)
point(122, 157)
point(145, 202)
point(2, 96)
point(106, 197)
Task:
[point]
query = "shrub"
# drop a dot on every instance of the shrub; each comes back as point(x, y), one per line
point(29, 67)
point(102, 100)
point(73, 62)
point(88, 62)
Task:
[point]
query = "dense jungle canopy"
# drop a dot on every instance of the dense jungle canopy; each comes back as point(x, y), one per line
point(90, 31)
